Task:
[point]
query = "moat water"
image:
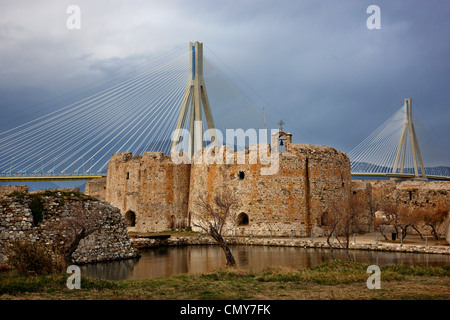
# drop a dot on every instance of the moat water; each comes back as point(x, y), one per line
point(167, 261)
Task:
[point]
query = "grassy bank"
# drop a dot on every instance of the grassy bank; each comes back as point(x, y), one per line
point(332, 280)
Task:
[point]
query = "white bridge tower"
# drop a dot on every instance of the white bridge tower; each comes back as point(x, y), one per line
point(195, 96)
point(408, 127)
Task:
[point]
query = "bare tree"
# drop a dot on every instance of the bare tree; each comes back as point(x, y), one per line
point(400, 218)
point(417, 219)
point(379, 224)
point(411, 217)
point(330, 222)
point(343, 220)
point(71, 229)
point(406, 219)
point(214, 217)
point(391, 213)
point(434, 218)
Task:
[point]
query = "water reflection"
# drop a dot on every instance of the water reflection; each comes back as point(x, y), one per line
point(166, 261)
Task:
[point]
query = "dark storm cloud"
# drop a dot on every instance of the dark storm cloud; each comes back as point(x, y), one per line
point(315, 62)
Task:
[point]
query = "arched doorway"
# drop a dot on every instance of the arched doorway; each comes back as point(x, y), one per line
point(130, 218)
point(242, 219)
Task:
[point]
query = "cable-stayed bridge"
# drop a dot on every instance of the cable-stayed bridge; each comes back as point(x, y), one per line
point(136, 115)
point(393, 150)
point(173, 91)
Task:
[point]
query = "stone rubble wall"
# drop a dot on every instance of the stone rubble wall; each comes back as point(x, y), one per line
point(8, 189)
point(110, 242)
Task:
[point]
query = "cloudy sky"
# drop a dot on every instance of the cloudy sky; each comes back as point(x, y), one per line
point(333, 80)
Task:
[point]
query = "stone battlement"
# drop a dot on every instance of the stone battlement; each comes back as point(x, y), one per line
point(155, 194)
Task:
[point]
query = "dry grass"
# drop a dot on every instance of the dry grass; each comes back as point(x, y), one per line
point(334, 280)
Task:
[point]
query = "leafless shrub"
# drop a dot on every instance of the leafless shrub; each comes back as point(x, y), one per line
point(213, 218)
point(342, 221)
point(33, 258)
point(409, 218)
point(434, 218)
point(400, 218)
point(379, 223)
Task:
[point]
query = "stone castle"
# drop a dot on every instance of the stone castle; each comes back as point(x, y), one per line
point(155, 194)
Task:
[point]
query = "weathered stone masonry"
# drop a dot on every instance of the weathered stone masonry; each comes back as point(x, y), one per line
point(96, 188)
point(291, 202)
point(409, 194)
point(150, 190)
point(153, 193)
point(110, 242)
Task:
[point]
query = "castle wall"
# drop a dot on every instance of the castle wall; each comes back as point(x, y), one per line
point(447, 233)
point(380, 192)
point(428, 195)
point(151, 187)
point(424, 194)
point(362, 193)
point(96, 188)
point(413, 195)
point(309, 180)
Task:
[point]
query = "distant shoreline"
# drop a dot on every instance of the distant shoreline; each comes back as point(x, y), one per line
point(44, 185)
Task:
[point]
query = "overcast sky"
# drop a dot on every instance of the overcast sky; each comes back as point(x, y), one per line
point(316, 62)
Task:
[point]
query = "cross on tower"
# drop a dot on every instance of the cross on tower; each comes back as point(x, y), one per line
point(281, 124)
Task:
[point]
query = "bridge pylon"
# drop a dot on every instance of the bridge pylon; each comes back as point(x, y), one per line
point(408, 128)
point(196, 97)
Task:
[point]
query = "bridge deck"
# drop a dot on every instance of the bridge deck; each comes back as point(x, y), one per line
point(390, 175)
point(87, 177)
point(46, 178)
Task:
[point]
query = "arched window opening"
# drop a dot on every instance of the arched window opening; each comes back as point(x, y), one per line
point(130, 218)
point(324, 219)
point(281, 148)
point(241, 175)
point(242, 219)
